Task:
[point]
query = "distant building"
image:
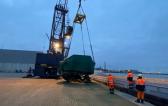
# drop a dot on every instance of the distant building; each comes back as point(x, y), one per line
point(17, 60)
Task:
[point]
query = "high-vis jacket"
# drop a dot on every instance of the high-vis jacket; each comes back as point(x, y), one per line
point(110, 81)
point(130, 76)
point(140, 84)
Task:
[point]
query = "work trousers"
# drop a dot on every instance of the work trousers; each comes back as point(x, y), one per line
point(140, 95)
point(111, 86)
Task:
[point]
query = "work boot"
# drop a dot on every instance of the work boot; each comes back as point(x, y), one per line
point(142, 101)
point(138, 101)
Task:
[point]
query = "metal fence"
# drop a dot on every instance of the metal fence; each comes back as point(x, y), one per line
point(151, 88)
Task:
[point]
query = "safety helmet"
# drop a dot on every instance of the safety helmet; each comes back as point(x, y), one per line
point(139, 75)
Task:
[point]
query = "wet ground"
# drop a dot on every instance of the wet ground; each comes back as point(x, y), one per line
point(50, 92)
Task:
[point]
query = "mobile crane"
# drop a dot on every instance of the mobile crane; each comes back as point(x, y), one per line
point(48, 63)
point(55, 61)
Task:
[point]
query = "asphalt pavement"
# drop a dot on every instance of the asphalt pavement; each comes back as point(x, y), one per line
point(51, 92)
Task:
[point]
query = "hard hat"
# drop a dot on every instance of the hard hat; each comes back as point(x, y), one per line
point(139, 75)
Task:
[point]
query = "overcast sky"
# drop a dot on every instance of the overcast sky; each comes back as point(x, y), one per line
point(126, 34)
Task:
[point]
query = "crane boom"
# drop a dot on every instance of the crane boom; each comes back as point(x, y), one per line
point(60, 29)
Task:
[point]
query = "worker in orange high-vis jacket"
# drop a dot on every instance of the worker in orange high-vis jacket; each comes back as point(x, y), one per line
point(130, 79)
point(140, 86)
point(110, 83)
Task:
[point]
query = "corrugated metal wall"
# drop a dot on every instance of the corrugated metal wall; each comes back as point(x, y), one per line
point(17, 60)
point(15, 67)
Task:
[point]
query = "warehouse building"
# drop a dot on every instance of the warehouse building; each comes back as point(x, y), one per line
point(17, 60)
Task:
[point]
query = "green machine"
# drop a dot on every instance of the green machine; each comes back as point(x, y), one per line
point(77, 67)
